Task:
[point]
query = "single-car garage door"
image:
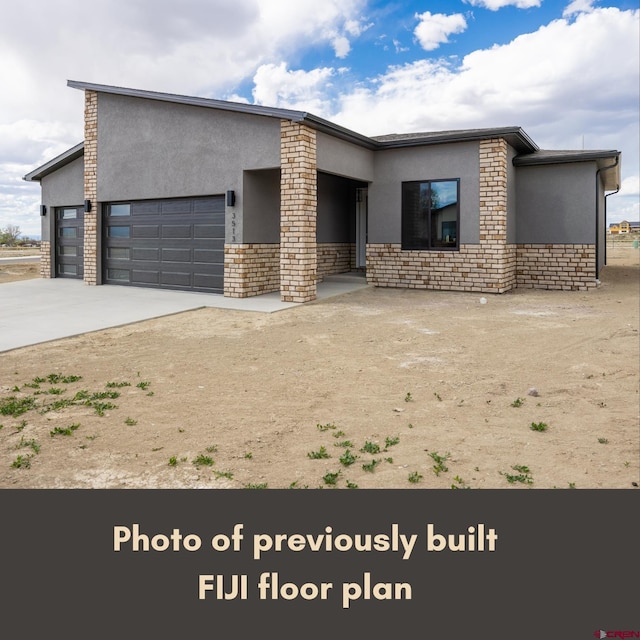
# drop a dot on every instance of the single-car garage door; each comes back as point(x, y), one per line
point(169, 244)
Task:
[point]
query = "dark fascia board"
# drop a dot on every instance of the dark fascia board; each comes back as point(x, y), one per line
point(238, 107)
point(515, 136)
point(562, 157)
point(53, 165)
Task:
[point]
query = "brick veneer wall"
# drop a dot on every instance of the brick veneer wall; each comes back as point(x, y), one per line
point(570, 267)
point(91, 187)
point(251, 269)
point(489, 267)
point(298, 207)
point(45, 259)
point(469, 269)
point(336, 258)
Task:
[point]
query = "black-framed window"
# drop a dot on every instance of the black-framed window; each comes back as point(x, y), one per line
point(431, 214)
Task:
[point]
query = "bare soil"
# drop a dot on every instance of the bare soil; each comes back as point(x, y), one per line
point(440, 382)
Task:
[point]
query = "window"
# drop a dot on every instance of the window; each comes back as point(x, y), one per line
point(430, 214)
point(69, 214)
point(119, 232)
point(120, 210)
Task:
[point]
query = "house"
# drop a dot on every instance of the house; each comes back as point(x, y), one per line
point(206, 195)
point(616, 228)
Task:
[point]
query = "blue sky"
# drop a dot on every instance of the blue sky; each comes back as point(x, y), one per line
point(566, 71)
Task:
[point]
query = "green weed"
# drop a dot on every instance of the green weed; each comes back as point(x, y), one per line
point(223, 474)
point(64, 431)
point(408, 397)
point(262, 485)
point(415, 477)
point(391, 442)
point(130, 422)
point(331, 478)
point(143, 385)
point(539, 426)
point(325, 427)
point(344, 444)
point(518, 402)
point(347, 458)
point(173, 461)
point(203, 461)
point(28, 443)
point(318, 455)
point(523, 476)
point(351, 485)
point(439, 466)
point(603, 441)
point(22, 462)
point(117, 385)
point(371, 466)
point(15, 407)
point(370, 447)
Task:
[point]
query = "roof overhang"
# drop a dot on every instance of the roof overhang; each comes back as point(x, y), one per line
point(608, 162)
point(515, 136)
point(58, 162)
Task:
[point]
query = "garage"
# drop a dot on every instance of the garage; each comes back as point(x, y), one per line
point(168, 244)
point(70, 242)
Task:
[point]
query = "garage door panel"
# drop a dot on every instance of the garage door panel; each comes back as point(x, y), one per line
point(208, 256)
point(177, 255)
point(145, 209)
point(175, 244)
point(145, 254)
point(141, 276)
point(208, 281)
point(145, 231)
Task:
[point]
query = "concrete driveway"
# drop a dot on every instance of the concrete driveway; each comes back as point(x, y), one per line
point(39, 310)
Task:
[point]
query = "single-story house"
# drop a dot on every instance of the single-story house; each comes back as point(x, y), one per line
point(191, 193)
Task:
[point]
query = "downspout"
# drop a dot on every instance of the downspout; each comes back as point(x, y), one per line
point(611, 166)
point(613, 193)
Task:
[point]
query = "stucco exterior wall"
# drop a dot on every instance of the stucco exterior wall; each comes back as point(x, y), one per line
point(437, 162)
point(556, 204)
point(200, 152)
point(261, 207)
point(63, 188)
point(344, 158)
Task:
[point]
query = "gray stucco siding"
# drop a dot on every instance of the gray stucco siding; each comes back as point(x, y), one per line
point(149, 149)
point(62, 188)
point(343, 158)
point(437, 162)
point(556, 203)
point(261, 207)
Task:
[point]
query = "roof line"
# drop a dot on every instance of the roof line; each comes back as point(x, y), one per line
point(49, 167)
point(563, 157)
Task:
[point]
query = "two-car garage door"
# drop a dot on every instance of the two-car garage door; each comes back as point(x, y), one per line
point(169, 244)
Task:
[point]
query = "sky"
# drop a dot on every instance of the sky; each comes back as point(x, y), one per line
point(566, 71)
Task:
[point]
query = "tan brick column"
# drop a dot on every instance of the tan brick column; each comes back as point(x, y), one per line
point(91, 187)
point(500, 257)
point(298, 209)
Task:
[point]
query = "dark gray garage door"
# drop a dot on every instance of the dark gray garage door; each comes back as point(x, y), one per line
point(169, 244)
point(69, 242)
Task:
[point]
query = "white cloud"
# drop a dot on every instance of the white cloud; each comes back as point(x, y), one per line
point(494, 5)
point(276, 85)
point(434, 29)
point(578, 6)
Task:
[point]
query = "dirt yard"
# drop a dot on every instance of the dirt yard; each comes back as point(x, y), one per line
point(378, 388)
